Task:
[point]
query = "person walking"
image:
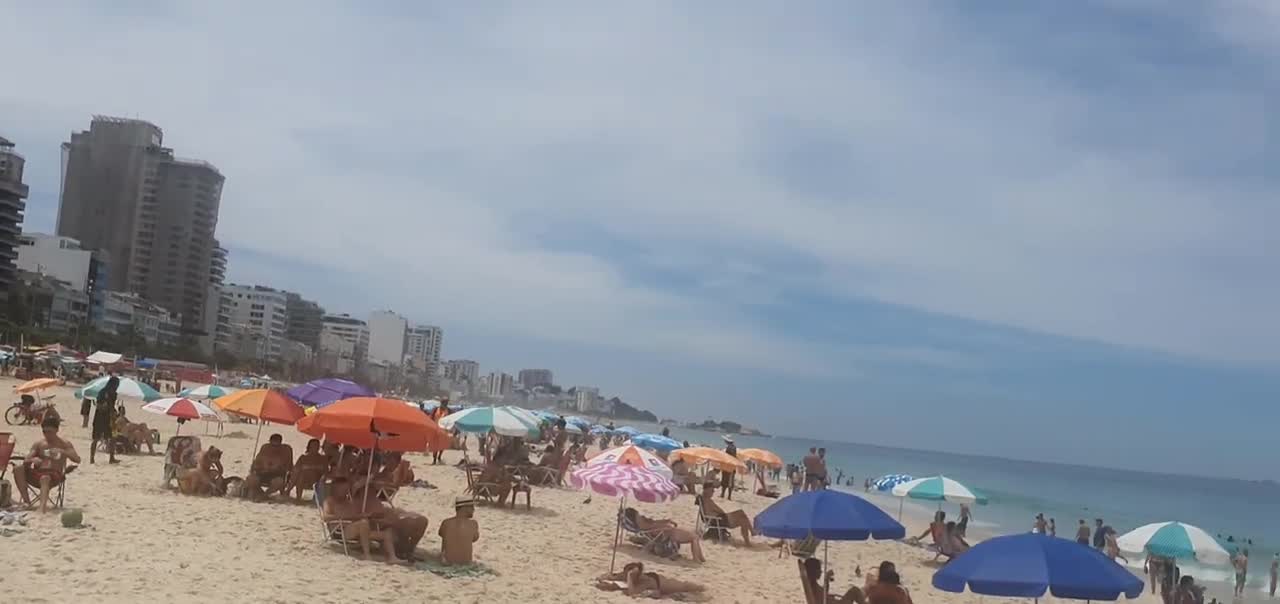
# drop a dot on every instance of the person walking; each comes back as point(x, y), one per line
point(1082, 533)
point(727, 477)
point(103, 419)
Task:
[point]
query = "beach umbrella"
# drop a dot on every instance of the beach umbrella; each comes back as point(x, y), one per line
point(631, 455)
point(715, 457)
point(598, 429)
point(206, 391)
point(628, 430)
point(506, 421)
point(827, 515)
point(623, 481)
point(578, 421)
point(326, 391)
point(657, 442)
point(888, 481)
point(36, 384)
point(548, 416)
point(263, 405)
point(761, 456)
point(1174, 540)
point(128, 387)
point(181, 408)
point(938, 488)
point(1029, 564)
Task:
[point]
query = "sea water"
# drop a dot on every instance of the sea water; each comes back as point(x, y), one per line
point(1018, 490)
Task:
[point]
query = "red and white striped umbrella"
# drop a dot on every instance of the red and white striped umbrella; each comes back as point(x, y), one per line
point(183, 408)
point(618, 480)
point(631, 455)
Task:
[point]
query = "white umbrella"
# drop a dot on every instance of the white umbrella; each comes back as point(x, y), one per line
point(506, 421)
point(181, 408)
point(1174, 540)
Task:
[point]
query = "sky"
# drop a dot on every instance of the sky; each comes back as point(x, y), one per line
point(1035, 230)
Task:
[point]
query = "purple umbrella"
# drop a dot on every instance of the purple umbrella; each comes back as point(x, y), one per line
point(326, 391)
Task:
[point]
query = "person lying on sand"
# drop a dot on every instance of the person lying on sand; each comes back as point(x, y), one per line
point(736, 519)
point(811, 574)
point(634, 582)
point(311, 466)
point(668, 529)
point(270, 470)
point(338, 505)
point(45, 466)
point(206, 477)
point(457, 534)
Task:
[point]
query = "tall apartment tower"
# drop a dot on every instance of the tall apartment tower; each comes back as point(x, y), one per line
point(12, 194)
point(154, 213)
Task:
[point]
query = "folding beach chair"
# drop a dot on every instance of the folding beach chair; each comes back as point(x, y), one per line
point(653, 541)
point(712, 526)
point(486, 491)
point(7, 445)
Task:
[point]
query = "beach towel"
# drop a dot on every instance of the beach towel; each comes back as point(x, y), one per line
point(436, 567)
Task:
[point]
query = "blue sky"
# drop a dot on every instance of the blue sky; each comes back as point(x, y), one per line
point(1029, 229)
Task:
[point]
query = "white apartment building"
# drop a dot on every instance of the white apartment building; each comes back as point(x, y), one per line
point(387, 338)
point(587, 399)
point(129, 313)
point(348, 329)
point(337, 352)
point(422, 344)
point(263, 312)
point(498, 384)
point(65, 260)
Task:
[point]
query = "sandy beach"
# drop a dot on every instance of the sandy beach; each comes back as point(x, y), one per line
point(143, 542)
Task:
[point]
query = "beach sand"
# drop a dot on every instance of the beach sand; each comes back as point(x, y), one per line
point(144, 543)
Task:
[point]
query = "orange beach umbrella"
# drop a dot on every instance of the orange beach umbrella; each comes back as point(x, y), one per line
point(715, 457)
point(36, 384)
point(370, 422)
point(261, 404)
point(761, 456)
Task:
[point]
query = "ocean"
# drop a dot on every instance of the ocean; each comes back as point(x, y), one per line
point(1018, 490)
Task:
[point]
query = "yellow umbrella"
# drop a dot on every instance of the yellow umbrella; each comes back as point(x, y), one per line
point(36, 384)
point(760, 456)
point(715, 457)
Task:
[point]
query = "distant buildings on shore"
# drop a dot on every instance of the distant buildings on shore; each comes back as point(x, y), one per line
point(13, 193)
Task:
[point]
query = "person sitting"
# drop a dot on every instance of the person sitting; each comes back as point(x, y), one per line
point(310, 468)
point(938, 532)
point(407, 528)
point(45, 466)
point(816, 593)
point(457, 534)
point(138, 434)
point(391, 471)
point(269, 472)
point(206, 478)
point(668, 529)
point(884, 586)
point(683, 478)
point(338, 505)
point(634, 582)
point(956, 544)
point(548, 467)
point(736, 519)
point(496, 481)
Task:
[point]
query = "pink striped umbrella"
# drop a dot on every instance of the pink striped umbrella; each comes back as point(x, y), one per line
point(619, 480)
point(631, 455)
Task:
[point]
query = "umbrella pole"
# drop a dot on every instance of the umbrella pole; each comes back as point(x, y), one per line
point(826, 577)
point(900, 501)
point(257, 438)
point(369, 476)
point(617, 533)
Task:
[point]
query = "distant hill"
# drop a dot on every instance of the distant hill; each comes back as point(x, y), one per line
point(621, 410)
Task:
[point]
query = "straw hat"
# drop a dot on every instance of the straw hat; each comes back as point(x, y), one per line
point(462, 502)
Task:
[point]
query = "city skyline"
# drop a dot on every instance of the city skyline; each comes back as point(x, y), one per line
point(895, 213)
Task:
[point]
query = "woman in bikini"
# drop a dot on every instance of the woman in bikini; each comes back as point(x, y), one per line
point(634, 581)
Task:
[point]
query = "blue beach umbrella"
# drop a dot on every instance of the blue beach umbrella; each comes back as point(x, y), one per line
point(547, 416)
point(888, 481)
point(1028, 565)
point(657, 442)
point(598, 429)
point(628, 430)
point(829, 515)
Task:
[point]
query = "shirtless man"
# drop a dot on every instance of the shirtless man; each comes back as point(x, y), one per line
point(46, 464)
point(1082, 533)
point(736, 519)
point(1275, 573)
point(339, 505)
point(206, 477)
point(1241, 563)
point(407, 527)
point(270, 469)
point(669, 529)
point(457, 534)
point(137, 433)
point(311, 466)
point(812, 470)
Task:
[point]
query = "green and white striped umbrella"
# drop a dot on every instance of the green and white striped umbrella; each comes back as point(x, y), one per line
point(128, 387)
point(206, 391)
point(1174, 540)
point(506, 421)
point(939, 488)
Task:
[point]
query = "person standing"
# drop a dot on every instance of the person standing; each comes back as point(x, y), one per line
point(1241, 562)
point(727, 477)
point(962, 527)
point(812, 469)
point(438, 414)
point(822, 464)
point(103, 419)
point(1275, 573)
point(1053, 527)
point(1099, 534)
point(1082, 533)
point(86, 407)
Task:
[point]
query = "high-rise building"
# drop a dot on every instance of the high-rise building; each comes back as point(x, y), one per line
point(498, 384)
point(422, 344)
point(128, 314)
point(349, 329)
point(264, 312)
point(587, 399)
point(306, 320)
point(63, 259)
point(462, 371)
point(215, 326)
point(12, 193)
point(386, 338)
point(535, 377)
point(153, 213)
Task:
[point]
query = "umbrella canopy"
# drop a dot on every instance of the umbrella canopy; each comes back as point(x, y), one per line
point(938, 488)
point(631, 455)
point(578, 421)
point(507, 421)
point(547, 416)
point(888, 481)
point(628, 430)
point(184, 408)
point(1174, 540)
point(598, 429)
point(206, 391)
point(620, 480)
point(1029, 564)
point(326, 391)
point(715, 457)
point(829, 515)
point(36, 384)
point(128, 387)
point(262, 404)
point(368, 422)
point(761, 456)
point(657, 442)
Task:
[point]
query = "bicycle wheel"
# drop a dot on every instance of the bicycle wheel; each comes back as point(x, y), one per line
point(14, 416)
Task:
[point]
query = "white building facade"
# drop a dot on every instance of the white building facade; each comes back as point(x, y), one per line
point(422, 344)
point(65, 260)
point(262, 311)
point(587, 399)
point(387, 338)
point(498, 384)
